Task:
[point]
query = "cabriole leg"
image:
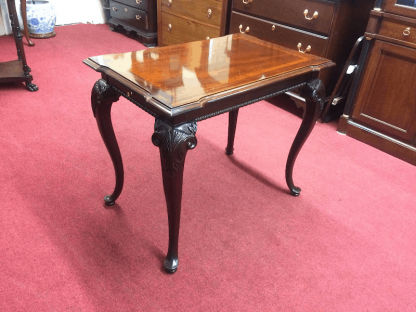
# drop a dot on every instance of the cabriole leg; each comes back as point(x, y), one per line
point(102, 98)
point(173, 143)
point(314, 93)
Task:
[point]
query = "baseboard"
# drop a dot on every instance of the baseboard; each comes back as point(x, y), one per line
point(378, 140)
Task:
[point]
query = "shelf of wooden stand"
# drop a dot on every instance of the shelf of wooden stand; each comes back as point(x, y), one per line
point(11, 71)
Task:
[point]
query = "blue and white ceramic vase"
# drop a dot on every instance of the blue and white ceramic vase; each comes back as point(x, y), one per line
point(41, 19)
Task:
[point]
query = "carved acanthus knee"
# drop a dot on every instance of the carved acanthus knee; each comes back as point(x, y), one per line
point(174, 143)
point(102, 95)
point(314, 90)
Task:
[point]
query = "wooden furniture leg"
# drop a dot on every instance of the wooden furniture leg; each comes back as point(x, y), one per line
point(20, 69)
point(102, 98)
point(24, 17)
point(232, 124)
point(173, 143)
point(314, 93)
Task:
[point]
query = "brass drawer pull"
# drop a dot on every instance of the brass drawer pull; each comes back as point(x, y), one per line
point(138, 17)
point(125, 9)
point(209, 12)
point(115, 9)
point(245, 31)
point(305, 13)
point(308, 48)
point(273, 27)
point(169, 2)
point(170, 27)
point(139, 2)
point(406, 32)
point(247, 1)
point(207, 37)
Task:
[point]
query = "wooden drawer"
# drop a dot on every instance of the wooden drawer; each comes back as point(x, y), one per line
point(138, 4)
point(184, 30)
point(290, 12)
point(399, 29)
point(279, 34)
point(134, 17)
point(206, 11)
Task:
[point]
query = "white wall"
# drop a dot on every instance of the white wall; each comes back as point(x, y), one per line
point(78, 11)
point(67, 12)
point(4, 28)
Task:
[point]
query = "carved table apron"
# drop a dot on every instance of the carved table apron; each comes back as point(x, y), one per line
point(182, 84)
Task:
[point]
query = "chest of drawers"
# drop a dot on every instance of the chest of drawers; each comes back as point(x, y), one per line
point(381, 108)
point(321, 27)
point(137, 16)
point(190, 20)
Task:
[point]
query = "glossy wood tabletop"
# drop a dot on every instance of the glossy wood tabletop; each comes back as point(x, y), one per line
point(185, 73)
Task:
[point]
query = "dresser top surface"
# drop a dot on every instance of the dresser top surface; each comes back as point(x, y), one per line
point(186, 73)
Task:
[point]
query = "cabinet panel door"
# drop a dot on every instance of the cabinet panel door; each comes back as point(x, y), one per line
point(401, 7)
point(387, 97)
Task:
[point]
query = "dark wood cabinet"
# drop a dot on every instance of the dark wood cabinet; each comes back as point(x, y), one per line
point(381, 110)
point(137, 16)
point(321, 27)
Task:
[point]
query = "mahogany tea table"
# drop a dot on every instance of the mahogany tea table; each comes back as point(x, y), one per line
point(182, 84)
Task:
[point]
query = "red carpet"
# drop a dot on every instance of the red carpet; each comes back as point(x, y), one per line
point(347, 243)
